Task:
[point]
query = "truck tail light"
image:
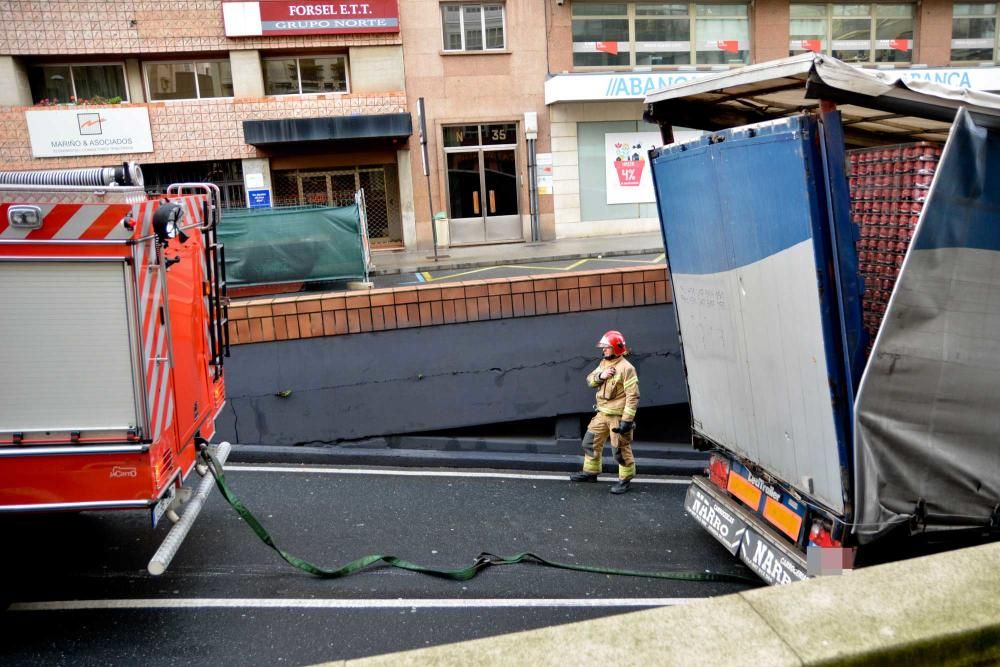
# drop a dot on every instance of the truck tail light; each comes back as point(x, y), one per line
point(718, 471)
point(821, 537)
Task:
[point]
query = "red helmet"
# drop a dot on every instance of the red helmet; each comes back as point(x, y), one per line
point(615, 340)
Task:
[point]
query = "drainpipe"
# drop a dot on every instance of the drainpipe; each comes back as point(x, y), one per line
point(531, 134)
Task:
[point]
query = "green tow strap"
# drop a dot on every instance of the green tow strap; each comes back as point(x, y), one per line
point(482, 561)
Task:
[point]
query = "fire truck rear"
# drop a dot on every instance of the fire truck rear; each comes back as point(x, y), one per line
point(112, 340)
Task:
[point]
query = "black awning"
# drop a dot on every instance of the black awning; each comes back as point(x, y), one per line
point(329, 128)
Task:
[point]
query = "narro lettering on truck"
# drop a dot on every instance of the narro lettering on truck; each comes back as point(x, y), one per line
point(763, 558)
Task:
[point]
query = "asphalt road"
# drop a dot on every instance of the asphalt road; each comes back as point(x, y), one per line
point(78, 592)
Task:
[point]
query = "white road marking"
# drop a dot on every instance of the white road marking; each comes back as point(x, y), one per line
point(439, 473)
point(312, 603)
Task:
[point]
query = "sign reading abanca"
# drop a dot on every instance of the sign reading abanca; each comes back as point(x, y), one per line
point(305, 17)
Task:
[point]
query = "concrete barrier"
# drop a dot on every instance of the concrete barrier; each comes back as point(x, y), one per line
point(936, 610)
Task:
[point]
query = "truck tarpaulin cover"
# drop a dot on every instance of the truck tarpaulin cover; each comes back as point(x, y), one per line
point(296, 244)
point(927, 415)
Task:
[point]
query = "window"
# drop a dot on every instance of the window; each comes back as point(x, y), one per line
point(880, 33)
point(974, 32)
point(188, 80)
point(61, 84)
point(640, 34)
point(227, 174)
point(473, 27)
point(301, 76)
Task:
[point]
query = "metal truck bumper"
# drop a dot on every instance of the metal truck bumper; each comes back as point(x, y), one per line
point(744, 535)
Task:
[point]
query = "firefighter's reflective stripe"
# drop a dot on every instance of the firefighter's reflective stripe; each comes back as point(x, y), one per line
point(591, 465)
point(69, 222)
point(626, 472)
point(609, 411)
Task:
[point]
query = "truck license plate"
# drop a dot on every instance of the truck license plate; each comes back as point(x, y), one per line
point(723, 524)
point(160, 508)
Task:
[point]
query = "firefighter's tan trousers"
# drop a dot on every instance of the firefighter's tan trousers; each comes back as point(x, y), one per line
point(598, 433)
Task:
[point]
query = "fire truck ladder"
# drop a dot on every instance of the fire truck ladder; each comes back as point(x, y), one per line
point(215, 259)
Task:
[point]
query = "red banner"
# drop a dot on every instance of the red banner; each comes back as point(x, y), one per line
point(729, 45)
point(315, 17)
point(813, 45)
point(899, 44)
point(608, 47)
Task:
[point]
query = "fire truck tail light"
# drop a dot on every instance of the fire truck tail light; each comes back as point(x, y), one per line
point(821, 537)
point(718, 471)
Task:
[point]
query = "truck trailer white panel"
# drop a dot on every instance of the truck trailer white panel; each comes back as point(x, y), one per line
point(66, 353)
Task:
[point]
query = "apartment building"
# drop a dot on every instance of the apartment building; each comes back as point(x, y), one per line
point(606, 56)
point(275, 104)
point(531, 118)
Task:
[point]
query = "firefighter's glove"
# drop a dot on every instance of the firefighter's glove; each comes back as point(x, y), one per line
point(624, 426)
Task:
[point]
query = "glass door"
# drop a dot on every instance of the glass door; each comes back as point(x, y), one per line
point(500, 195)
point(465, 199)
point(482, 183)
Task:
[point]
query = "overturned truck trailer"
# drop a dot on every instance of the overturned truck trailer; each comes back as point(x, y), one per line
point(834, 249)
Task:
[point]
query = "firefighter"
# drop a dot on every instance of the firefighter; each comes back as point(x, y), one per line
point(617, 401)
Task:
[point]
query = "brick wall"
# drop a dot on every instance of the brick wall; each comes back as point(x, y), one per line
point(196, 129)
point(336, 313)
point(139, 26)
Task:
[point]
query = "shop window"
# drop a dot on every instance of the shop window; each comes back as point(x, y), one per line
point(188, 80)
point(301, 76)
point(639, 34)
point(862, 33)
point(473, 27)
point(974, 32)
point(63, 84)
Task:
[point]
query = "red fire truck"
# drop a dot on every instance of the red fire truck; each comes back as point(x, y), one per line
point(112, 340)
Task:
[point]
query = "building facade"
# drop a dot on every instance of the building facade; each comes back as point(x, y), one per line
point(605, 57)
point(464, 122)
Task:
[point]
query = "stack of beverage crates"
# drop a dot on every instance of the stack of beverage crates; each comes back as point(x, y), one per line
point(889, 185)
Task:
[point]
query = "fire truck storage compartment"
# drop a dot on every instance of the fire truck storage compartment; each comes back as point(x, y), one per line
point(67, 356)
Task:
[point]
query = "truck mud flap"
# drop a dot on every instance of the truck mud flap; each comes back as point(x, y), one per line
point(715, 517)
point(742, 535)
point(770, 560)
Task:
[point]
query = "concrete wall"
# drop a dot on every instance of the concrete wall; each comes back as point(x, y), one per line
point(376, 68)
point(14, 88)
point(431, 378)
point(248, 73)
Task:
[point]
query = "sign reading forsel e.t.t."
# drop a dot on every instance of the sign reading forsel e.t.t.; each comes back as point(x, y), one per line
point(309, 17)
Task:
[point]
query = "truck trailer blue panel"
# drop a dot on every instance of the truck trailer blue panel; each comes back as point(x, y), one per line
point(749, 226)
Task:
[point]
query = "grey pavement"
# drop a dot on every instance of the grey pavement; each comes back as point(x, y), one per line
point(80, 594)
point(388, 262)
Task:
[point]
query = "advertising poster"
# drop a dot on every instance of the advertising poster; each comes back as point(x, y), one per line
point(626, 168)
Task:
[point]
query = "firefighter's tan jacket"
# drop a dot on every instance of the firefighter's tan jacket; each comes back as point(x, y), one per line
point(619, 394)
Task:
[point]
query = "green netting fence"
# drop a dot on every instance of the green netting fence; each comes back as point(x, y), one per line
point(266, 246)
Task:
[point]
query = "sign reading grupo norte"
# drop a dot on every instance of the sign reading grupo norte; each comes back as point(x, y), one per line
point(309, 17)
point(82, 130)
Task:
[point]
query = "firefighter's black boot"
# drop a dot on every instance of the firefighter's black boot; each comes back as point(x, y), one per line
point(583, 476)
point(621, 486)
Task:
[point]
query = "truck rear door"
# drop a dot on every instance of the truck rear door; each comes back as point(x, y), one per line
point(746, 224)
